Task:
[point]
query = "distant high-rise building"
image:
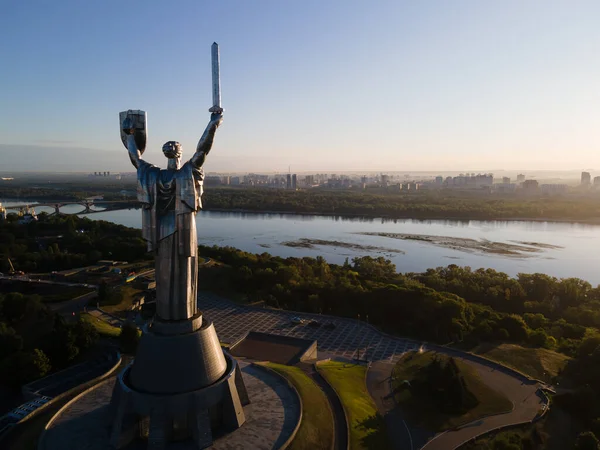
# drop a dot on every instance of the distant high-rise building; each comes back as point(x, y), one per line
point(596, 181)
point(505, 180)
point(585, 178)
point(520, 178)
point(439, 180)
point(288, 184)
point(385, 179)
point(294, 181)
point(530, 185)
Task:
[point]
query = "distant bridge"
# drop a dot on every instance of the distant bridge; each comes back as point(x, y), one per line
point(109, 205)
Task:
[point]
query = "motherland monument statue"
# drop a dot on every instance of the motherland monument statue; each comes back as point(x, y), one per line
point(181, 384)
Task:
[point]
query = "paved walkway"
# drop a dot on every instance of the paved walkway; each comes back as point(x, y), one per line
point(522, 394)
point(233, 321)
point(402, 436)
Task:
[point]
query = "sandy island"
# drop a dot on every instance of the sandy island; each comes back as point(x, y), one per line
point(519, 249)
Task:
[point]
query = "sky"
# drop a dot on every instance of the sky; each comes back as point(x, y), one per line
point(311, 85)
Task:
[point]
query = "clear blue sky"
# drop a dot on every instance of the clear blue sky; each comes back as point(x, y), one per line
point(318, 85)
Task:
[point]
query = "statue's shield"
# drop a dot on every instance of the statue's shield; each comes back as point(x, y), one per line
point(138, 121)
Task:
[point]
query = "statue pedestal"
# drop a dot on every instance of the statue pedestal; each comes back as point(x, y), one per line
point(180, 386)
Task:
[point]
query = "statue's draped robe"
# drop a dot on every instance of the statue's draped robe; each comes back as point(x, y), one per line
point(170, 200)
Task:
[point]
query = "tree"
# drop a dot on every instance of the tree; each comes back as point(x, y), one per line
point(10, 341)
point(129, 337)
point(23, 367)
point(539, 338)
point(587, 441)
point(61, 344)
point(103, 292)
point(86, 335)
point(16, 306)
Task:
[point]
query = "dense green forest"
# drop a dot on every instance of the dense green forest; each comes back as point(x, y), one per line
point(446, 304)
point(63, 242)
point(424, 204)
point(438, 204)
point(34, 341)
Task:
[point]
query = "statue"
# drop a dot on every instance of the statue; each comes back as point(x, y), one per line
point(181, 384)
point(170, 199)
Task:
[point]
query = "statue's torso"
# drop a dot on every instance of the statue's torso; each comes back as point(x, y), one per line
point(165, 202)
point(171, 199)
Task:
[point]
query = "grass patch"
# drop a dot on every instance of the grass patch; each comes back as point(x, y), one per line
point(367, 428)
point(124, 298)
point(422, 408)
point(103, 328)
point(316, 428)
point(538, 363)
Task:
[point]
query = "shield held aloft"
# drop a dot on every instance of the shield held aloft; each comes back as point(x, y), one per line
point(137, 121)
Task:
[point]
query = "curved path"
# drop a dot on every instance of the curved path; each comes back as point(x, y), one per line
point(522, 393)
point(350, 337)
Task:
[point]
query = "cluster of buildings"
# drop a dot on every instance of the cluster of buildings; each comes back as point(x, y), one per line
point(399, 182)
point(586, 181)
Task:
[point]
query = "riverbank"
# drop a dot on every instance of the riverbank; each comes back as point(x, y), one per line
point(584, 221)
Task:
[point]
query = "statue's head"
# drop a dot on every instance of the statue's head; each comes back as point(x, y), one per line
point(172, 150)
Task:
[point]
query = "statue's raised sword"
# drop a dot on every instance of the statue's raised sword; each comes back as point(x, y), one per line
point(216, 80)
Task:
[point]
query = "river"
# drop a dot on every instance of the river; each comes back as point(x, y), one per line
point(554, 248)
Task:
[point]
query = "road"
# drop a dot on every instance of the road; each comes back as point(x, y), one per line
point(522, 394)
point(233, 321)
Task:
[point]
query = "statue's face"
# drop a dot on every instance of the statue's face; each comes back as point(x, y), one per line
point(172, 149)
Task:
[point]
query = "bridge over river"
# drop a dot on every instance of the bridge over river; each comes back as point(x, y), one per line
point(106, 205)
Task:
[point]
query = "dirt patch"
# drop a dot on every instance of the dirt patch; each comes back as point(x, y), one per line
point(311, 243)
point(520, 250)
point(539, 245)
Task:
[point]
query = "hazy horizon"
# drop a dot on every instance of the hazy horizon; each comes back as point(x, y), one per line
point(336, 86)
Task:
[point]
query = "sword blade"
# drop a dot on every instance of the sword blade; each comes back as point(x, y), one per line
point(216, 78)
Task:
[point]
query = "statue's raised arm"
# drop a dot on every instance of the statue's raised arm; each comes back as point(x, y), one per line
point(206, 141)
point(133, 134)
point(134, 153)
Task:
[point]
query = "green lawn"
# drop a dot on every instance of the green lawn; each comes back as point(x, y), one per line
point(316, 429)
point(104, 328)
point(367, 428)
point(128, 293)
point(538, 363)
point(423, 411)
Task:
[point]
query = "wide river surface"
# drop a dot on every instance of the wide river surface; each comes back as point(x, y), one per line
point(558, 249)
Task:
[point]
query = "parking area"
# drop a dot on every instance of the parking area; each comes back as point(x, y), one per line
point(348, 339)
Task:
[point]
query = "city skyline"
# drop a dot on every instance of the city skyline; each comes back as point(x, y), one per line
point(343, 86)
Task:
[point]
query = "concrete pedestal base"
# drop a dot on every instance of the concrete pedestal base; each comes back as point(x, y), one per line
point(271, 418)
point(180, 387)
